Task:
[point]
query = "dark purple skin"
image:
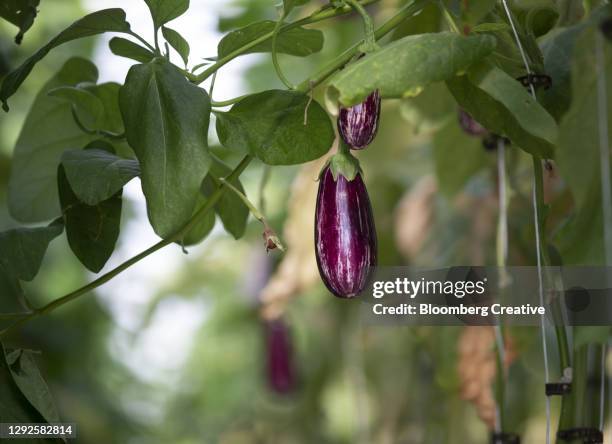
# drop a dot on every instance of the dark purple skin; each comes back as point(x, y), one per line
point(469, 125)
point(345, 236)
point(358, 124)
point(280, 370)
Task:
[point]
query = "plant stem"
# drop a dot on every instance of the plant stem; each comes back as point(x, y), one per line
point(252, 208)
point(228, 102)
point(141, 40)
point(277, 67)
point(127, 264)
point(502, 255)
point(334, 65)
point(14, 315)
point(324, 13)
point(369, 45)
point(452, 24)
point(565, 418)
point(405, 12)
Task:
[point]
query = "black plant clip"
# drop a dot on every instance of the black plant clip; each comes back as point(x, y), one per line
point(588, 435)
point(505, 438)
point(491, 140)
point(537, 80)
point(563, 386)
point(558, 388)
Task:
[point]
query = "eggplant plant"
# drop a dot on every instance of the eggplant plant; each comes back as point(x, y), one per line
point(447, 70)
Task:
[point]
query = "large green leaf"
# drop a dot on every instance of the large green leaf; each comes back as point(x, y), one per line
point(271, 125)
point(96, 106)
point(166, 120)
point(108, 94)
point(557, 49)
point(48, 130)
point(430, 109)
point(14, 404)
point(107, 20)
point(202, 228)
point(177, 42)
point(163, 11)
point(457, 157)
point(22, 249)
point(20, 13)
point(503, 106)
point(92, 230)
point(11, 294)
point(581, 241)
point(403, 68)
point(128, 49)
point(296, 41)
point(96, 175)
point(230, 208)
point(88, 108)
point(26, 375)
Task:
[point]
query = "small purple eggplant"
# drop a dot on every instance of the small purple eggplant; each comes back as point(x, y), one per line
point(469, 125)
point(345, 236)
point(358, 124)
point(280, 370)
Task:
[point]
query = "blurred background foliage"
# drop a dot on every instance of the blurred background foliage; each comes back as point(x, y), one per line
point(433, 190)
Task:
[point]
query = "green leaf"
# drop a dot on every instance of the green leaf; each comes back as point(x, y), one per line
point(48, 130)
point(87, 106)
point(23, 249)
point(581, 240)
point(12, 299)
point(166, 120)
point(96, 106)
point(92, 230)
point(230, 208)
point(126, 48)
point(270, 125)
point(163, 11)
point(202, 228)
point(430, 109)
point(403, 68)
point(504, 107)
point(296, 41)
point(457, 157)
point(96, 175)
point(288, 5)
point(20, 13)
point(177, 42)
point(557, 51)
point(27, 377)
point(14, 405)
point(475, 10)
point(427, 20)
point(107, 20)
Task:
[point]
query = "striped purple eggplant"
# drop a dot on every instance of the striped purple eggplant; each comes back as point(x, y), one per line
point(358, 124)
point(469, 125)
point(280, 370)
point(345, 237)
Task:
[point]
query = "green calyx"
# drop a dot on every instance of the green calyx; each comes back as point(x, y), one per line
point(344, 163)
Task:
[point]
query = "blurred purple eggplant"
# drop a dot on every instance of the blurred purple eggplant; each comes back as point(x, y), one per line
point(469, 125)
point(345, 236)
point(280, 369)
point(358, 124)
